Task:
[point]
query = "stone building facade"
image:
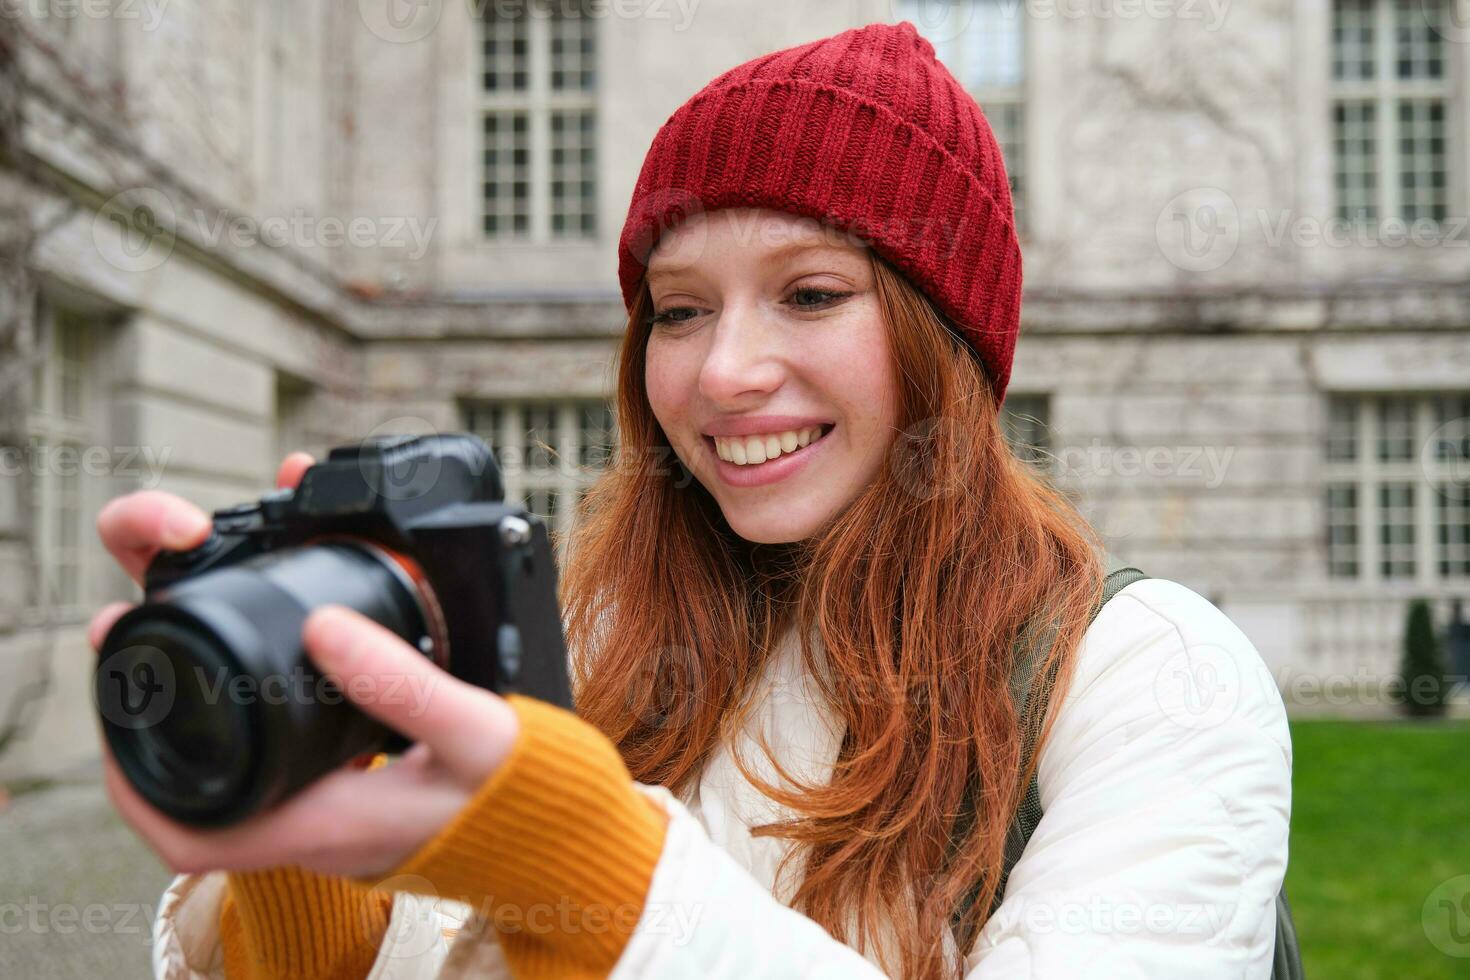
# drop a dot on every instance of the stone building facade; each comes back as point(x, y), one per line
point(235, 227)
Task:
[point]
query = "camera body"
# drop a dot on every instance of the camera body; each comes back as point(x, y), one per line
point(207, 698)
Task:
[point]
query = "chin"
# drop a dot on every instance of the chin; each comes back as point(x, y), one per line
point(782, 529)
point(767, 536)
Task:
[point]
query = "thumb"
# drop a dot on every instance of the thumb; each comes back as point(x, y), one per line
point(468, 729)
point(292, 468)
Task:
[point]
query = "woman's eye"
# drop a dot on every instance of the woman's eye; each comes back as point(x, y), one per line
point(674, 315)
point(810, 299)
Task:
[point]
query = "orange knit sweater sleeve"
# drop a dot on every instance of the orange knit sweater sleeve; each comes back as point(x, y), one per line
point(293, 923)
point(557, 848)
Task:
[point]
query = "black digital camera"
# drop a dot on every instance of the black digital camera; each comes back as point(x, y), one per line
point(207, 698)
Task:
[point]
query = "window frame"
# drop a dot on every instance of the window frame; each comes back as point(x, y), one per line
point(1385, 93)
point(567, 475)
point(1369, 476)
point(992, 99)
point(539, 102)
point(49, 424)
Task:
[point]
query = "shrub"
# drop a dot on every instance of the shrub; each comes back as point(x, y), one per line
point(1422, 689)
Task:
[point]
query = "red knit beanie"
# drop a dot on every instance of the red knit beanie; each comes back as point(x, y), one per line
point(865, 131)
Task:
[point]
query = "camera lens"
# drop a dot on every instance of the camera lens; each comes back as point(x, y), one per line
point(208, 700)
point(196, 743)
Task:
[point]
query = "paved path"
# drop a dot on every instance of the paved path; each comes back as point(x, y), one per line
point(77, 888)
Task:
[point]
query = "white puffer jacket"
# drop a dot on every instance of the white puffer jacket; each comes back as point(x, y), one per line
point(1166, 785)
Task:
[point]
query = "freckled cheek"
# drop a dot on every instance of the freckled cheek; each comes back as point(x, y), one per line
point(670, 384)
point(860, 379)
point(868, 395)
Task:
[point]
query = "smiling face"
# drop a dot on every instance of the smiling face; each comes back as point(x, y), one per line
point(768, 367)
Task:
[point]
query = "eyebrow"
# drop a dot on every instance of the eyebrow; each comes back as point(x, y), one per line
point(778, 253)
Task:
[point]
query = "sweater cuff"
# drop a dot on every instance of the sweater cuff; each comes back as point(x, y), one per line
point(557, 848)
point(290, 922)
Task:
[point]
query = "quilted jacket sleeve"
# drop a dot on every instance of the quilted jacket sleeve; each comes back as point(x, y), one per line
point(1166, 786)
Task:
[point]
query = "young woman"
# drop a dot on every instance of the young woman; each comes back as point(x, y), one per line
point(798, 605)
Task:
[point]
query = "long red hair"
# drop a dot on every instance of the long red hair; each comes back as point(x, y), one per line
point(917, 592)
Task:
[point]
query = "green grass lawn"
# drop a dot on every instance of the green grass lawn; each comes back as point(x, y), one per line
point(1380, 819)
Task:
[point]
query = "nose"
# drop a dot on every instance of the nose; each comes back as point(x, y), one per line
point(743, 358)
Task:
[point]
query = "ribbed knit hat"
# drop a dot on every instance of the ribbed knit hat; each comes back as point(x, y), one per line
point(865, 131)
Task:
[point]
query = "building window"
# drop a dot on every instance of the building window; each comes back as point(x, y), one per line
point(537, 116)
point(1397, 498)
point(1390, 110)
point(1026, 422)
point(59, 437)
point(983, 44)
point(548, 452)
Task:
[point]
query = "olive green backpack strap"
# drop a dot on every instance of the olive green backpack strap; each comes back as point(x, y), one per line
point(1119, 576)
point(1023, 672)
point(1286, 962)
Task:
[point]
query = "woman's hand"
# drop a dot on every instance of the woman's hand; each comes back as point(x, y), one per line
point(352, 821)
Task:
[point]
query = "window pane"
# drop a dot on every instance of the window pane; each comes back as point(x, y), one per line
point(70, 364)
point(1423, 190)
point(1342, 430)
point(540, 429)
point(504, 47)
point(597, 438)
point(66, 491)
point(542, 501)
point(573, 173)
point(1418, 41)
point(1396, 530)
point(573, 47)
point(1352, 39)
point(484, 420)
point(1396, 430)
point(507, 174)
point(1355, 160)
point(993, 44)
point(1452, 432)
point(1452, 528)
point(529, 438)
point(1342, 530)
point(981, 42)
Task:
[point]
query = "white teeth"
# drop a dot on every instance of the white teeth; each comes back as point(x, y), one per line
point(750, 450)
